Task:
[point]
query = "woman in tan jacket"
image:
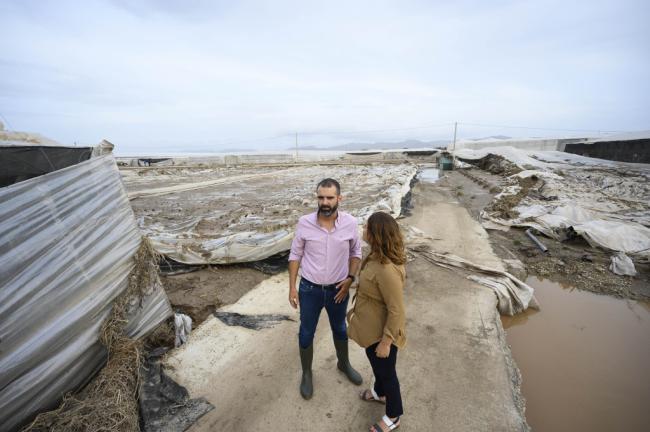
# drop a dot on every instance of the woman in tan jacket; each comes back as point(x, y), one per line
point(377, 319)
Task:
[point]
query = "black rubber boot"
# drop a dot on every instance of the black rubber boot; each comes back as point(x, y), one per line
point(306, 356)
point(344, 363)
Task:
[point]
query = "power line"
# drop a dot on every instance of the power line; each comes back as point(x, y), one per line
point(369, 131)
point(357, 132)
point(227, 143)
point(537, 128)
point(325, 133)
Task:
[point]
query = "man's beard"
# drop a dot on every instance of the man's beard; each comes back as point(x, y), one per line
point(327, 210)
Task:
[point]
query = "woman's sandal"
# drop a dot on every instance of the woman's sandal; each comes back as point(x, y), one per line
point(392, 425)
point(369, 395)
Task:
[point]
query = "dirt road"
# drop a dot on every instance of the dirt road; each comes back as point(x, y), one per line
point(456, 372)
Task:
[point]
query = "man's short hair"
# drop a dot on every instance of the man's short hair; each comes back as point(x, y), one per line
point(329, 182)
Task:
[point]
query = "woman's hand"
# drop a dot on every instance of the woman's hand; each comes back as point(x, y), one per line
point(383, 349)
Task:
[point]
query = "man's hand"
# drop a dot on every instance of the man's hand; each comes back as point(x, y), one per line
point(293, 297)
point(383, 349)
point(343, 288)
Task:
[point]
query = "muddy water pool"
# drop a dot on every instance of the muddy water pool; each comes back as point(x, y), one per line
point(429, 175)
point(585, 360)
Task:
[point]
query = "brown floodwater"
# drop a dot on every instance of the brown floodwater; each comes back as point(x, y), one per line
point(584, 359)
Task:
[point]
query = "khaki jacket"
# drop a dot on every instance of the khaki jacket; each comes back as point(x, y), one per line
point(378, 308)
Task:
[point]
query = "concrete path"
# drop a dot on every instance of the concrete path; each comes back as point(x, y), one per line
point(456, 372)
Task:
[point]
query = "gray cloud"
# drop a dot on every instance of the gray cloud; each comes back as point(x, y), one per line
point(190, 73)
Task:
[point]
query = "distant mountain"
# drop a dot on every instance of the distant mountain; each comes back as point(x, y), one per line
point(309, 147)
point(237, 150)
point(492, 137)
point(379, 145)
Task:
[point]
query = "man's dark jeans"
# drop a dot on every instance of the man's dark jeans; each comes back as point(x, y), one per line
point(312, 299)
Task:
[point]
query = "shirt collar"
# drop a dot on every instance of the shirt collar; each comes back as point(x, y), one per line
point(337, 221)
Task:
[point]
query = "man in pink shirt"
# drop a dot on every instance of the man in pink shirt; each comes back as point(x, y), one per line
point(327, 249)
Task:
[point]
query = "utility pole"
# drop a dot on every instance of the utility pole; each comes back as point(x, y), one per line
point(455, 129)
point(296, 146)
point(453, 154)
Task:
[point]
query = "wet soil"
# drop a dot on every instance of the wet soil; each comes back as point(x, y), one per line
point(456, 349)
point(495, 164)
point(200, 293)
point(473, 189)
point(505, 207)
point(583, 357)
point(574, 261)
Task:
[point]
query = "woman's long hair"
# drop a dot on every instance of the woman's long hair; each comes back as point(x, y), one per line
point(385, 239)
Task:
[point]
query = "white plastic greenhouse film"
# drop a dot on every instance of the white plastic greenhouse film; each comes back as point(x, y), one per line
point(67, 241)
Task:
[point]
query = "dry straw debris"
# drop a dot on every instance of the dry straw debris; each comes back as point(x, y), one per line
point(110, 401)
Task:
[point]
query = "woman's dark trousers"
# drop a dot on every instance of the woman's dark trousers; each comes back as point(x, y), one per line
point(386, 382)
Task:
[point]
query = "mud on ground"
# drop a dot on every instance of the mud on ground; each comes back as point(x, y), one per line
point(505, 207)
point(199, 293)
point(573, 262)
point(495, 164)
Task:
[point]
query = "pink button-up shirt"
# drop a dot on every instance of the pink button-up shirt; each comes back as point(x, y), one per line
point(324, 256)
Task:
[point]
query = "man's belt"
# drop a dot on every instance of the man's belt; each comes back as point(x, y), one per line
point(327, 287)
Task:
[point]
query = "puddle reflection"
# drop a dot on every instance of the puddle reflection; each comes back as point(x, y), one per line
point(429, 175)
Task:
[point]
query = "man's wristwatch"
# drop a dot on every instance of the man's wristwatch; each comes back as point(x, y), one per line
point(351, 276)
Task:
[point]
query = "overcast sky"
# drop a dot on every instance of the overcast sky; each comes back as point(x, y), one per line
point(202, 75)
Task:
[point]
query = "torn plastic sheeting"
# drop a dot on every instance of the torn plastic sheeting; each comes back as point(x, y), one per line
point(622, 265)
point(146, 313)
point(169, 267)
point(572, 213)
point(605, 202)
point(621, 236)
point(533, 158)
point(240, 247)
point(544, 218)
point(164, 404)
point(212, 227)
point(508, 294)
point(461, 165)
point(183, 328)
point(200, 185)
point(513, 295)
point(68, 240)
point(533, 211)
point(491, 225)
point(252, 322)
point(272, 265)
point(397, 192)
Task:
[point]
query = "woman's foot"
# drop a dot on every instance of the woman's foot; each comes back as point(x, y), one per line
point(386, 424)
point(369, 395)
